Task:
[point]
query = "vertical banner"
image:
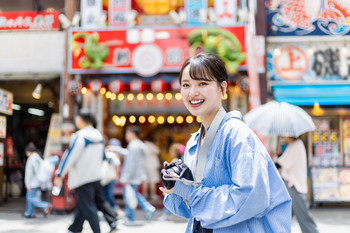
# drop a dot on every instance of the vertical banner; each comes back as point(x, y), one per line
point(253, 77)
point(117, 10)
point(226, 12)
point(10, 150)
point(259, 48)
point(53, 141)
point(195, 11)
point(91, 11)
point(1, 154)
point(2, 127)
point(6, 101)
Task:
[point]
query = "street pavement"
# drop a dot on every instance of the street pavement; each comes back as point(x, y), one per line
point(329, 219)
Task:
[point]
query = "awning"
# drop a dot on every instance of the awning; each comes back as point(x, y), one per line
point(31, 55)
point(308, 94)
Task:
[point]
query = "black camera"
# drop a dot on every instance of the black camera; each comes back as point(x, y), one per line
point(178, 168)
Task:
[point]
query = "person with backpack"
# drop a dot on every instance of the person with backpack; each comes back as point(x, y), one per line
point(82, 160)
point(32, 185)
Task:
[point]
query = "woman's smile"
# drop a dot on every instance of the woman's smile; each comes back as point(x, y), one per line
point(196, 102)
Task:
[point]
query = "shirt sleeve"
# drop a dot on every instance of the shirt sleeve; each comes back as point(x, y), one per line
point(177, 205)
point(247, 195)
point(70, 156)
point(120, 150)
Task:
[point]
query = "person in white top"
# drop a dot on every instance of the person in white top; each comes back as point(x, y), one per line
point(293, 162)
point(152, 169)
point(33, 193)
point(108, 189)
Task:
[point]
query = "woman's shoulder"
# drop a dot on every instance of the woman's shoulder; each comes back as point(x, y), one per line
point(233, 120)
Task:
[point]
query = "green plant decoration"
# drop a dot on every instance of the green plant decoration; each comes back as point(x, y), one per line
point(95, 52)
point(218, 41)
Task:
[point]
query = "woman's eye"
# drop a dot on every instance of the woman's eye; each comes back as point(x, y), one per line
point(185, 85)
point(203, 83)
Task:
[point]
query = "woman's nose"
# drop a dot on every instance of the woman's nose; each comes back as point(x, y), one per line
point(193, 91)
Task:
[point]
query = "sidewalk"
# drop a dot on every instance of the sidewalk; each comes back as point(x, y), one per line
point(12, 222)
point(329, 220)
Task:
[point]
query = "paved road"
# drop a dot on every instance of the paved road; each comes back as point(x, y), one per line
point(329, 220)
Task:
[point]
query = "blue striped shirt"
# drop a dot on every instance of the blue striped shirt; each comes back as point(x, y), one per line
point(241, 190)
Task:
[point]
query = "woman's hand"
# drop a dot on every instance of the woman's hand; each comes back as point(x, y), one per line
point(164, 190)
point(57, 181)
point(167, 191)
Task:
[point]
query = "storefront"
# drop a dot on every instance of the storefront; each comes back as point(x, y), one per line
point(6, 99)
point(308, 65)
point(31, 66)
point(137, 82)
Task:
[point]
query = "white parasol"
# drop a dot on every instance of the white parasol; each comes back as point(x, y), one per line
point(279, 118)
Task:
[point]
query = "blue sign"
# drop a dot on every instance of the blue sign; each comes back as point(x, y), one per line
point(306, 17)
point(194, 9)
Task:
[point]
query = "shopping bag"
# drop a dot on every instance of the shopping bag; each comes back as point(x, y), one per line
point(108, 172)
point(130, 195)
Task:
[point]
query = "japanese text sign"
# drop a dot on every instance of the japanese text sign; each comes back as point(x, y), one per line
point(143, 51)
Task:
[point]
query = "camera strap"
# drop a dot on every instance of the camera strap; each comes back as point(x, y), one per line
point(202, 149)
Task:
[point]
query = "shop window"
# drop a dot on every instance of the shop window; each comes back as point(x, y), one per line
point(325, 143)
point(331, 159)
point(346, 141)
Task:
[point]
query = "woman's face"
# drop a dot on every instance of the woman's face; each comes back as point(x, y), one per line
point(201, 98)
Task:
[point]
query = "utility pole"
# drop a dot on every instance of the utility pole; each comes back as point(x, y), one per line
point(68, 103)
point(261, 29)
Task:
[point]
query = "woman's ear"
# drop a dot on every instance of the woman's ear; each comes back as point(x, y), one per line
point(223, 88)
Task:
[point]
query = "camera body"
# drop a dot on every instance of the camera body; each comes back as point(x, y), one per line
point(179, 168)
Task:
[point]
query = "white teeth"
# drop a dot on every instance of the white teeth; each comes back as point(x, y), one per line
point(197, 101)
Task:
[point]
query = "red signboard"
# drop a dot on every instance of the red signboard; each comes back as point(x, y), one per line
point(29, 20)
point(145, 51)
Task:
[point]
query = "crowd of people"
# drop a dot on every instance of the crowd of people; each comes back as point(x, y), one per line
point(224, 179)
point(93, 178)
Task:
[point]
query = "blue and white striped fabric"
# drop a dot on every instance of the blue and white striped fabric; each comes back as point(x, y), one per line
point(241, 191)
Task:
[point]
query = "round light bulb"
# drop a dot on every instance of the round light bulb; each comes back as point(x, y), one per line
point(151, 119)
point(179, 119)
point(171, 119)
point(121, 97)
point(189, 119)
point(160, 120)
point(142, 119)
point(130, 97)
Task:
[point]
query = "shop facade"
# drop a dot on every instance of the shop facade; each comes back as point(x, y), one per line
point(138, 80)
point(308, 65)
point(31, 65)
point(134, 78)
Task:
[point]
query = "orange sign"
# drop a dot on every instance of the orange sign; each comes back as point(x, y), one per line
point(292, 63)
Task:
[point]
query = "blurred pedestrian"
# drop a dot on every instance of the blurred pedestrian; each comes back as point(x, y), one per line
point(293, 163)
point(82, 160)
point(152, 168)
point(33, 196)
point(237, 187)
point(133, 171)
point(108, 189)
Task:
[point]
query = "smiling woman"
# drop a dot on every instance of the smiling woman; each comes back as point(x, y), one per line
point(233, 173)
point(201, 90)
